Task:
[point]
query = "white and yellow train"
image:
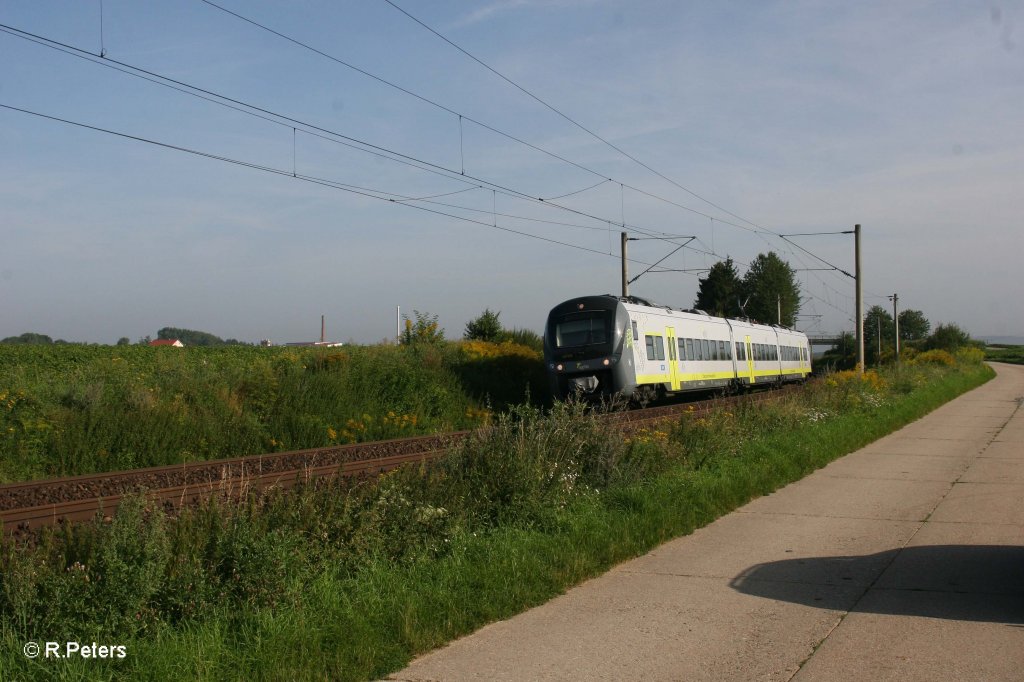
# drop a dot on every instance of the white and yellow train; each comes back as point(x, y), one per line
point(604, 346)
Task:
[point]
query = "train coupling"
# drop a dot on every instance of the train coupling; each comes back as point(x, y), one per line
point(584, 384)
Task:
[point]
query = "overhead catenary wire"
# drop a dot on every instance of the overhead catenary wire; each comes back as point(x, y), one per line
point(290, 122)
point(574, 122)
point(462, 116)
point(566, 116)
point(755, 229)
point(367, 147)
point(373, 194)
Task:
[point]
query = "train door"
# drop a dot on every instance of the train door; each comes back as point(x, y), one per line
point(750, 358)
point(673, 356)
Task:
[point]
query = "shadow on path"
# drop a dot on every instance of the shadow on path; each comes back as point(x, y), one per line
point(958, 582)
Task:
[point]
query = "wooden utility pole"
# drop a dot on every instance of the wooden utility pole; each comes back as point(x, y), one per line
point(625, 274)
point(896, 319)
point(860, 300)
point(878, 318)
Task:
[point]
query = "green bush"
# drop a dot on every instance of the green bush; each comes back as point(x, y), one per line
point(948, 337)
point(484, 328)
point(935, 357)
point(970, 356)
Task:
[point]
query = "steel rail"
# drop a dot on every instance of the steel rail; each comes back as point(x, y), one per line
point(24, 507)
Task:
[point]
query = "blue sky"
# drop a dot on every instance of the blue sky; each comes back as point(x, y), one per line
point(795, 116)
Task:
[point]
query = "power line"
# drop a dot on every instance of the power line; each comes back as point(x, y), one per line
point(291, 123)
point(567, 117)
point(373, 194)
point(361, 191)
point(462, 116)
point(375, 150)
point(758, 228)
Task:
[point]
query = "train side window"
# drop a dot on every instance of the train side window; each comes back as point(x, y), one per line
point(636, 335)
point(682, 349)
point(713, 347)
point(650, 346)
point(660, 345)
point(707, 349)
point(689, 349)
point(739, 351)
point(698, 349)
point(723, 354)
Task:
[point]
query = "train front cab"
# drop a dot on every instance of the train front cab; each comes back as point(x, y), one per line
point(583, 341)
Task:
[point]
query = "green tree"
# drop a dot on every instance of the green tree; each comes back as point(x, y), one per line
point(843, 355)
point(914, 326)
point(948, 337)
point(424, 330)
point(484, 328)
point(190, 337)
point(28, 337)
point(877, 318)
point(770, 283)
point(719, 292)
point(123, 341)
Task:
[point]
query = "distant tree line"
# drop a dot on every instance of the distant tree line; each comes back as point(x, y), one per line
point(31, 337)
point(189, 337)
point(192, 337)
point(948, 337)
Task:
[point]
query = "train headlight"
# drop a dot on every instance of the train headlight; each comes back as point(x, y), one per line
point(607, 362)
point(558, 367)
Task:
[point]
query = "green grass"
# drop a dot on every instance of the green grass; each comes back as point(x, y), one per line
point(350, 583)
point(73, 409)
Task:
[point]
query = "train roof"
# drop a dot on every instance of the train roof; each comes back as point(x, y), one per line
point(645, 303)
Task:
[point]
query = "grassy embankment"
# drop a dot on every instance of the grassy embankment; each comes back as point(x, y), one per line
point(72, 409)
point(351, 580)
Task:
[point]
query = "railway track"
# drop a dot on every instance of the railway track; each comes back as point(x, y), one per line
point(26, 507)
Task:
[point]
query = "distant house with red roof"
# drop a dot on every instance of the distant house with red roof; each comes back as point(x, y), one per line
point(167, 342)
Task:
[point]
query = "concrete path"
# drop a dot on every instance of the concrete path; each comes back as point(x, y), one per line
point(902, 561)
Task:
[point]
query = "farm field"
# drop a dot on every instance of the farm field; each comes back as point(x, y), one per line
point(74, 409)
point(349, 580)
point(1005, 353)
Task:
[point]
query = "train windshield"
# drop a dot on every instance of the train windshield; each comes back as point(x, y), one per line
point(582, 329)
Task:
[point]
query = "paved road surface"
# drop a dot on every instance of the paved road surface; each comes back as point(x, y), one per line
point(902, 561)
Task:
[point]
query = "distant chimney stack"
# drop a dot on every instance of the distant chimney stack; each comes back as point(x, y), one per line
point(322, 339)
